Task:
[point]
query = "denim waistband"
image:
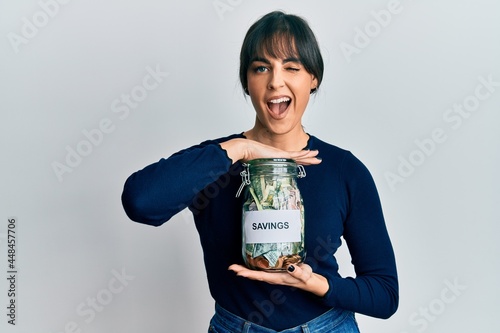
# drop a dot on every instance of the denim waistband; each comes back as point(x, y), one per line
point(329, 321)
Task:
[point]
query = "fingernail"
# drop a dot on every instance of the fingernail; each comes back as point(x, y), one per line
point(319, 158)
point(291, 268)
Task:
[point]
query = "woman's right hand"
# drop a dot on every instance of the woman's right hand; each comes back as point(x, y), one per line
point(246, 150)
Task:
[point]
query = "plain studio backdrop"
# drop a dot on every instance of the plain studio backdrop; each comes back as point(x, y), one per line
point(92, 91)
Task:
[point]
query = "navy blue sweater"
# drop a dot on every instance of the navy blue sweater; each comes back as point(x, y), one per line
point(340, 199)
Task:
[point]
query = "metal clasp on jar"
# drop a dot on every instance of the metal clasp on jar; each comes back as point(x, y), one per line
point(245, 178)
point(302, 171)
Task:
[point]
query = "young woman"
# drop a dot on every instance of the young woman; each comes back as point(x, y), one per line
point(280, 67)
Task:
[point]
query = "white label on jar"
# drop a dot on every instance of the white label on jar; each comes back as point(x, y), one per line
point(272, 226)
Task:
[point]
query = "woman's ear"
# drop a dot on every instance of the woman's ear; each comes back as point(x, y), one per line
point(314, 85)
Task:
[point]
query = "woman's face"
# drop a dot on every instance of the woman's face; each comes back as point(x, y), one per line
point(279, 90)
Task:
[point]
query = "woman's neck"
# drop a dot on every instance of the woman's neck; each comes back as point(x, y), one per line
point(291, 141)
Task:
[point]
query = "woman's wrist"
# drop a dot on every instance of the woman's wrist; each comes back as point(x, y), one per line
point(318, 285)
point(234, 149)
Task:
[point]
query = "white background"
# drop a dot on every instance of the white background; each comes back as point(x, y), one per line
point(73, 236)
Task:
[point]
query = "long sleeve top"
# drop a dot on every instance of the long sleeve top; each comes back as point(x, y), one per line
point(340, 199)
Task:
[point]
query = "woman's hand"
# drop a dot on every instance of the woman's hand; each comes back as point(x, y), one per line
point(246, 150)
point(299, 276)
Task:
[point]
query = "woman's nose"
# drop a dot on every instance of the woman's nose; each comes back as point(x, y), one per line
point(275, 80)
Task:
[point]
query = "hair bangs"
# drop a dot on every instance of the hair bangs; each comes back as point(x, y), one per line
point(279, 45)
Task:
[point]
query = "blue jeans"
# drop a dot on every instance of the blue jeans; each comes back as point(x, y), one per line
point(332, 321)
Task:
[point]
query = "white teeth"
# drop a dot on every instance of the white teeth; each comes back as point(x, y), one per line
point(280, 100)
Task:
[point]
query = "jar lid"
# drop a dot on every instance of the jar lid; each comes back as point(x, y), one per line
point(276, 166)
point(272, 161)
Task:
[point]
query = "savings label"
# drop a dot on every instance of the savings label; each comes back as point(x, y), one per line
point(272, 226)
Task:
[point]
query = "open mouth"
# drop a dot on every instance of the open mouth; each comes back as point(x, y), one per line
point(278, 106)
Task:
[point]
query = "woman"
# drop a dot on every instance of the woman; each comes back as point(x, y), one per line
point(280, 67)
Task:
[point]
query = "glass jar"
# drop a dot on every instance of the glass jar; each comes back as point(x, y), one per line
point(273, 214)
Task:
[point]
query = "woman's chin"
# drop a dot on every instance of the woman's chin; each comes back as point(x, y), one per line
point(280, 128)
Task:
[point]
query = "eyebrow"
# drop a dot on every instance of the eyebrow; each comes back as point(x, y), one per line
point(266, 61)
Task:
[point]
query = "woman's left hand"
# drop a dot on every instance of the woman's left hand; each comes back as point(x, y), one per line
point(299, 276)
